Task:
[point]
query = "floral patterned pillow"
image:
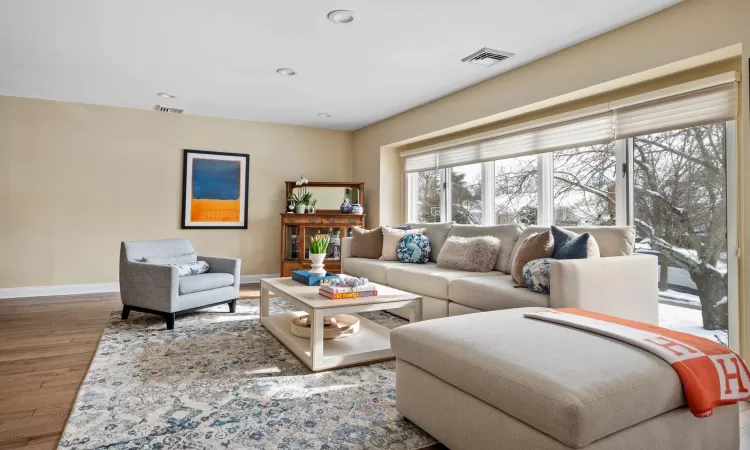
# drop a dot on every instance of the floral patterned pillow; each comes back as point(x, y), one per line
point(536, 275)
point(185, 270)
point(414, 248)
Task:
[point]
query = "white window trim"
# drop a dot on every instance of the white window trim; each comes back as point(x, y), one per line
point(733, 247)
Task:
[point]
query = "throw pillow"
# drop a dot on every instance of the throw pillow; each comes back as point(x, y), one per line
point(401, 227)
point(471, 254)
point(367, 243)
point(536, 275)
point(185, 270)
point(536, 246)
point(569, 245)
point(391, 236)
point(414, 248)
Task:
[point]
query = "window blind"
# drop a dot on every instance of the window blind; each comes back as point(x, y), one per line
point(711, 105)
point(420, 162)
point(705, 101)
point(576, 133)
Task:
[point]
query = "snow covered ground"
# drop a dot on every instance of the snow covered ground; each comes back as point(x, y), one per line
point(688, 321)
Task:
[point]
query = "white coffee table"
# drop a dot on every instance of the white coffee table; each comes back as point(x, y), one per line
point(371, 343)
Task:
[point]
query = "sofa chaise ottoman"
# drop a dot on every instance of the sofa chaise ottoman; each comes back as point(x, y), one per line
point(499, 380)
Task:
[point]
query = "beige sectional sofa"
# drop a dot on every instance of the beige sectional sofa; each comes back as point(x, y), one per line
point(619, 283)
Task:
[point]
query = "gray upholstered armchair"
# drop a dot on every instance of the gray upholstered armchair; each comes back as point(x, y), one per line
point(148, 285)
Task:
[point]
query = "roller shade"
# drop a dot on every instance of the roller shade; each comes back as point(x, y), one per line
point(711, 105)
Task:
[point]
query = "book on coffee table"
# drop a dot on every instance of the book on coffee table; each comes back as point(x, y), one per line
point(340, 292)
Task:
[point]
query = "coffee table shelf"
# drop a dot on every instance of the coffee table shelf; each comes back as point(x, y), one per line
point(370, 344)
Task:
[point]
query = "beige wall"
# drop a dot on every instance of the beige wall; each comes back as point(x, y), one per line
point(75, 180)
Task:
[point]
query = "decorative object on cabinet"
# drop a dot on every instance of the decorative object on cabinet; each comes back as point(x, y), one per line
point(318, 248)
point(346, 207)
point(357, 209)
point(290, 205)
point(214, 189)
point(328, 195)
point(299, 195)
point(296, 229)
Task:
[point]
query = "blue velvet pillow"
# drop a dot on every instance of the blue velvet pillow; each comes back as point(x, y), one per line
point(569, 245)
point(414, 248)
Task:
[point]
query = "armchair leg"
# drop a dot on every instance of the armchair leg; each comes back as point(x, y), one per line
point(125, 312)
point(233, 305)
point(169, 317)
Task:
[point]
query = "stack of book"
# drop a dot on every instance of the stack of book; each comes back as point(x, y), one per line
point(337, 293)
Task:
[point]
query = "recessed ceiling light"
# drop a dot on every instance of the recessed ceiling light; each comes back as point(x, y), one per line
point(165, 95)
point(326, 115)
point(287, 72)
point(342, 16)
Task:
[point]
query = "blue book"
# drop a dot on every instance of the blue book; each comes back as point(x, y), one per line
point(303, 276)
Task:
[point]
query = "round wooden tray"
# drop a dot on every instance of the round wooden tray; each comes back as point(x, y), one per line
point(334, 327)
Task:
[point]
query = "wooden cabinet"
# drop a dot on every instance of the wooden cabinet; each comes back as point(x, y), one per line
point(296, 230)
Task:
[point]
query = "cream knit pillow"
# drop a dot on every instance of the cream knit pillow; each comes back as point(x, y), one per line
point(391, 236)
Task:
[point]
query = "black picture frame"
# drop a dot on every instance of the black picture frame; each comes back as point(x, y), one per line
point(186, 224)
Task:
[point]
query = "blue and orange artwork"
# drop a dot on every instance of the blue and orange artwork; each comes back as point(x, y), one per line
point(216, 188)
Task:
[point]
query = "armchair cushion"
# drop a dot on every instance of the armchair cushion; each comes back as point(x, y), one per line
point(205, 282)
point(185, 258)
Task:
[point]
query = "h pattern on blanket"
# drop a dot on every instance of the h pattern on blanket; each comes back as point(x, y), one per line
point(711, 374)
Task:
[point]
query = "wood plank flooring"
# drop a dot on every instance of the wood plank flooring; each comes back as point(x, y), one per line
point(46, 346)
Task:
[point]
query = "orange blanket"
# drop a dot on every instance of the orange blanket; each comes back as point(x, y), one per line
point(711, 374)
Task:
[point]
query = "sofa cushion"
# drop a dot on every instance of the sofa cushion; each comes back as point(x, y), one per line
point(493, 292)
point(575, 386)
point(508, 235)
point(367, 243)
point(373, 269)
point(612, 241)
point(426, 279)
point(205, 282)
point(437, 233)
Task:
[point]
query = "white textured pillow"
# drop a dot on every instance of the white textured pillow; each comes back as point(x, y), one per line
point(391, 236)
point(472, 254)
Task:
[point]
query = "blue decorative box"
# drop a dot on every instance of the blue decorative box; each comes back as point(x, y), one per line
point(303, 276)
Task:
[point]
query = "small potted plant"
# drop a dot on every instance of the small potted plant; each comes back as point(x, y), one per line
point(318, 249)
point(300, 196)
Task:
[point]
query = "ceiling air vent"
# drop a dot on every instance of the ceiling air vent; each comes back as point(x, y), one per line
point(167, 109)
point(487, 57)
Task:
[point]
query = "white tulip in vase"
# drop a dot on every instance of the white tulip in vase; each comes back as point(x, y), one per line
point(318, 248)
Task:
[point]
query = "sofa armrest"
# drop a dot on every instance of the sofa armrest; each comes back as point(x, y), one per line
point(623, 286)
point(152, 286)
point(346, 250)
point(224, 265)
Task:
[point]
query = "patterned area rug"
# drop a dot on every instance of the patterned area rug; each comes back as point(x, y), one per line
point(220, 380)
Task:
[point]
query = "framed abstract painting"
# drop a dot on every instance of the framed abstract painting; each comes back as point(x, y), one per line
point(215, 189)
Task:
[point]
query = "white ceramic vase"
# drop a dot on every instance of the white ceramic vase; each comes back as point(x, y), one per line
point(317, 264)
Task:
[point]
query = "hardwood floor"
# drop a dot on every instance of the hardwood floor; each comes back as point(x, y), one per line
point(46, 346)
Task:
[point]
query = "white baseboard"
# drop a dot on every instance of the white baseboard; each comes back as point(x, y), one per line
point(64, 289)
point(245, 279)
point(95, 288)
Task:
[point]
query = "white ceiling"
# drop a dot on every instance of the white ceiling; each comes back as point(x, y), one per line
point(220, 56)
